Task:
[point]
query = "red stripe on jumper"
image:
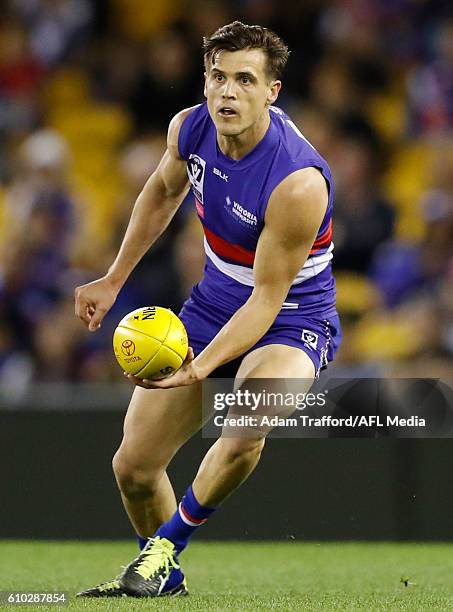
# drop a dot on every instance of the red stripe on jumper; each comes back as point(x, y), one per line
point(323, 240)
point(235, 252)
point(191, 518)
point(200, 208)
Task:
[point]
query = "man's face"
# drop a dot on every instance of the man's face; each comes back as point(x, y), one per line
point(238, 90)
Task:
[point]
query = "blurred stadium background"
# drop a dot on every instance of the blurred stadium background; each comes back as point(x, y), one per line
point(87, 88)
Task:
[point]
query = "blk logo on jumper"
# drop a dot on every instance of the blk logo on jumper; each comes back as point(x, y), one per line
point(221, 174)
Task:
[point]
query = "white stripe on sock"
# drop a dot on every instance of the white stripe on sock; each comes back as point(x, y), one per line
point(185, 519)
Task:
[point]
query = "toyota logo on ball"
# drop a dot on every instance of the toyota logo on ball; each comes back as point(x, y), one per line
point(128, 347)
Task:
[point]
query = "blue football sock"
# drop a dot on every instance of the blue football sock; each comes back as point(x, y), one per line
point(142, 542)
point(188, 517)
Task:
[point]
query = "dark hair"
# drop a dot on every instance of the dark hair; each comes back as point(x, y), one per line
point(237, 36)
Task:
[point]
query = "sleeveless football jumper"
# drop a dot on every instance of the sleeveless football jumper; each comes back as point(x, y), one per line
point(231, 197)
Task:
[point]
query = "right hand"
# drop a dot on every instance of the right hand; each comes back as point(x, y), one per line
point(93, 301)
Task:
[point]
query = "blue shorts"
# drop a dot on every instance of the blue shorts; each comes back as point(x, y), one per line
point(317, 335)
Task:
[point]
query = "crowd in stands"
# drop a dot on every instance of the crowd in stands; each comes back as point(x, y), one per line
point(87, 88)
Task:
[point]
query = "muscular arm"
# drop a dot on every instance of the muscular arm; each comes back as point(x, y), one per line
point(153, 211)
point(154, 208)
point(293, 218)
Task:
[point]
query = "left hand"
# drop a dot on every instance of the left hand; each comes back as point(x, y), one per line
point(188, 374)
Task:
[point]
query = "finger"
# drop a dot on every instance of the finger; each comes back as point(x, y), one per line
point(82, 311)
point(76, 301)
point(79, 306)
point(89, 312)
point(82, 308)
point(96, 319)
point(159, 383)
point(190, 355)
point(138, 381)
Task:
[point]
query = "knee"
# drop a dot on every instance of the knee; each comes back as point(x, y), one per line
point(242, 449)
point(134, 480)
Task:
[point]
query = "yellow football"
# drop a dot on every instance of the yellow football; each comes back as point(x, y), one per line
point(150, 342)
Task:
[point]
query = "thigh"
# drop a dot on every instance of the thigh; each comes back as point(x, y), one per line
point(158, 422)
point(277, 361)
point(273, 375)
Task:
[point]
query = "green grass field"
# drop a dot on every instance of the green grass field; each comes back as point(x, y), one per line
point(246, 576)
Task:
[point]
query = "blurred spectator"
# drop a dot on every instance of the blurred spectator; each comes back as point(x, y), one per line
point(430, 86)
point(364, 218)
point(20, 74)
point(39, 192)
point(402, 269)
point(116, 68)
point(165, 85)
point(332, 87)
point(203, 17)
point(55, 26)
point(56, 337)
point(40, 217)
point(19, 70)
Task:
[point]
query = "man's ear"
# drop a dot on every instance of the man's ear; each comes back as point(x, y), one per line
point(273, 92)
point(205, 74)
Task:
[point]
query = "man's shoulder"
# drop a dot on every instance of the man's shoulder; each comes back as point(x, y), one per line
point(294, 142)
point(177, 122)
point(187, 127)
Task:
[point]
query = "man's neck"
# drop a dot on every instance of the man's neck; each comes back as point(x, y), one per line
point(238, 146)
